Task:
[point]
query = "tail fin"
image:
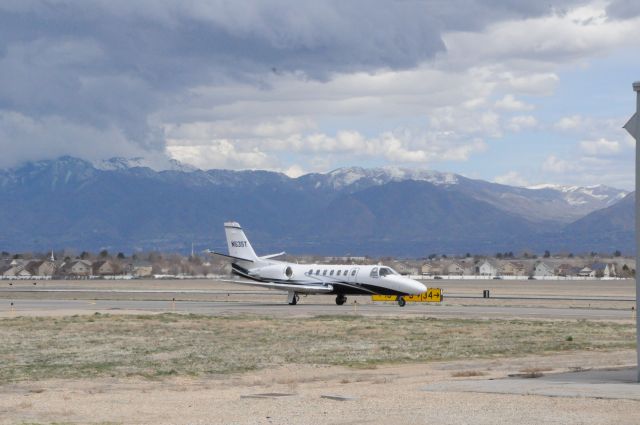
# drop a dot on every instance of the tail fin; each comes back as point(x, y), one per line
point(238, 243)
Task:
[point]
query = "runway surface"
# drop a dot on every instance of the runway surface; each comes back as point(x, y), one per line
point(595, 299)
point(65, 307)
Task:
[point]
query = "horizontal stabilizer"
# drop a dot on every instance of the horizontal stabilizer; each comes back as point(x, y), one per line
point(208, 251)
point(266, 257)
point(303, 289)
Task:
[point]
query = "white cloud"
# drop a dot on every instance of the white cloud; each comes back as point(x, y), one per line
point(512, 178)
point(600, 147)
point(291, 86)
point(573, 122)
point(556, 165)
point(522, 122)
point(544, 41)
point(25, 138)
point(400, 147)
point(222, 154)
point(510, 103)
point(585, 170)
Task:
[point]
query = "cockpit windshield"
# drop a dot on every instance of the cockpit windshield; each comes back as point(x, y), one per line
point(385, 271)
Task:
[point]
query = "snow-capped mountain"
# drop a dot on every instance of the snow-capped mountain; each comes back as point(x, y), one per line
point(581, 195)
point(124, 203)
point(359, 177)
point(120, 163)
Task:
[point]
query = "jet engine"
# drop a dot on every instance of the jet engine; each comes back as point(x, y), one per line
point(275, 272)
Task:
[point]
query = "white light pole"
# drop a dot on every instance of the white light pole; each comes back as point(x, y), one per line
point(636, 88)
point(633, 127)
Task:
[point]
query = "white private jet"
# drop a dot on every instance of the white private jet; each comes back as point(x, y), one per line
point(337, 279)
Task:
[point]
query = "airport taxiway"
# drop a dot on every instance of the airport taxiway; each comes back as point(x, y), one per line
point(50, 307)
point(592, 300)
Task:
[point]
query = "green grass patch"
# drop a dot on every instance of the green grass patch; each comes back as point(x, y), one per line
point(157, 346)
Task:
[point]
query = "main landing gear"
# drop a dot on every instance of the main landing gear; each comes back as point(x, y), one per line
point(293, 298)
point(341, 299)
point(401, 301)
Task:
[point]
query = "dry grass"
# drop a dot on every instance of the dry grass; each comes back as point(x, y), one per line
point(467, 373)
point(156, 346)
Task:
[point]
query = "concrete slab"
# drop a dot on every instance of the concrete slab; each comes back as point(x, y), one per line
point(616, 383)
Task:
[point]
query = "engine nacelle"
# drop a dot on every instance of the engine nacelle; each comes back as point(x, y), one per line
point(275, 272)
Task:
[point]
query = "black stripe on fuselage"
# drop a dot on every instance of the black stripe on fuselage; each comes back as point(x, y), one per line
point(339, 288)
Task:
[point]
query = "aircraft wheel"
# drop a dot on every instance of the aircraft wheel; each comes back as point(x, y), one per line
point(341, 299)
point(401, 301)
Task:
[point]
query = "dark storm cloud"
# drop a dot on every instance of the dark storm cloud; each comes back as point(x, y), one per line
point(110, 65)
point(624, 9)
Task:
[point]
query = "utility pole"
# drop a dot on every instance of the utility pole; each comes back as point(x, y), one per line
point(633, 127)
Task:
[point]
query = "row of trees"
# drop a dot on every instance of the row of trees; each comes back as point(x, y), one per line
point(529, 256)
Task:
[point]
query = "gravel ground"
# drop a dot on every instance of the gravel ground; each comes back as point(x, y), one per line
point(379, 396)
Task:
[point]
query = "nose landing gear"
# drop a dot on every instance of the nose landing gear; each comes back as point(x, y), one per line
point(401, 301)
point(341, 299)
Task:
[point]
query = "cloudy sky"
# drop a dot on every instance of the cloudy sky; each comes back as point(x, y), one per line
point(517, 92)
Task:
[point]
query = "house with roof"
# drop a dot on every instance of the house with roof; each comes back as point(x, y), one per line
point(603, 270)
point(487, 268)
point(587, 271)
point(431, 268)
point(41, 268)
point(404, 268)
point(512, 268)
point(567, 270)
point(611, 270)
point(142, 271)
point(77, 268)
point(457, 268)
point(104, 268)
point(16, 271)
point(542, 269)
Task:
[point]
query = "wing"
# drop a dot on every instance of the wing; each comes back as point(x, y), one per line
point(303, 289)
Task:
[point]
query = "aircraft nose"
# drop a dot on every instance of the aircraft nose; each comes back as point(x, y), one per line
point(414, 287)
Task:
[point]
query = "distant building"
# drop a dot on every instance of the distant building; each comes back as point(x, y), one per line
point(567, 270)
point(512, 268)
point(142, 271)
point(456, 269)
point(587, 272)
point(603, 270)
point(431, 269)
point(16, 271)
point(41, 267)
point(487, 268)
point(77, 268)
point(542, 269)
point(104, 268)
point(405, 269)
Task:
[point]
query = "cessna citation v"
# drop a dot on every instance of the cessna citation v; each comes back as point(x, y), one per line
point(338, 279)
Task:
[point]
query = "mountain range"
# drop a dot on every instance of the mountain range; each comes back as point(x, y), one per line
point(121, 204)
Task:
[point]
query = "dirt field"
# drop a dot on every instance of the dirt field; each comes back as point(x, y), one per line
point(379, 395)
point(152, 368)
point(201, 369)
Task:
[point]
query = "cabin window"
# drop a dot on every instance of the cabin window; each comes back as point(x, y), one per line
point(311, 272)
point(385, 271)
point(331, 273)
point(374, 272)
point(338, 272)
point(317, 272)
point(353, 272)
point(324, 272)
